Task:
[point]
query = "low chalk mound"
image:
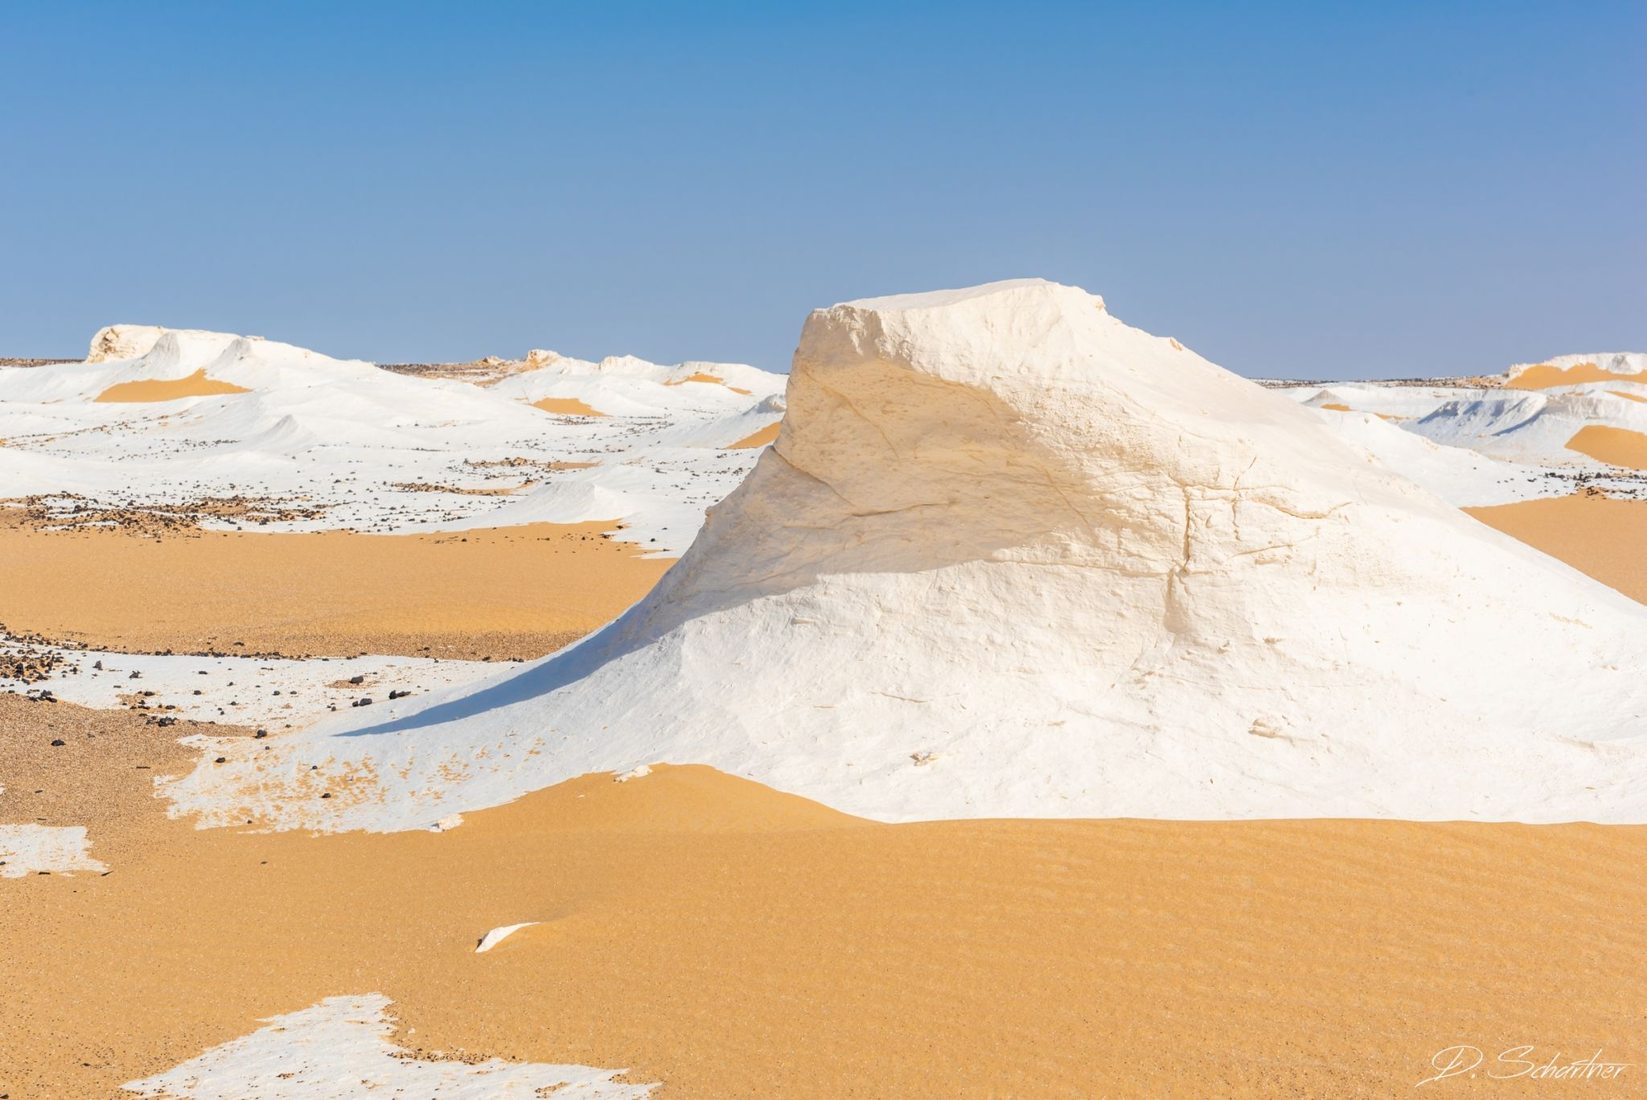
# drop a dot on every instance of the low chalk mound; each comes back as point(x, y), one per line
point(1011, 557)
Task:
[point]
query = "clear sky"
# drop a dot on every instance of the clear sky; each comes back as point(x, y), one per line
point(1311, 189)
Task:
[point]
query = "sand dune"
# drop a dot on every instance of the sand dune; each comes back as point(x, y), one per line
point(758, 439)
point(503, 593)
point(728, 940)
point(1614, 446)
point(1594, 534)
point(195, 385)
point(566, 406)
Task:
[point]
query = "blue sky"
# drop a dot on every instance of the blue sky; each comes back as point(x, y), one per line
point(1313, 190)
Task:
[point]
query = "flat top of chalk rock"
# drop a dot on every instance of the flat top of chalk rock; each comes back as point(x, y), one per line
point(939, 299)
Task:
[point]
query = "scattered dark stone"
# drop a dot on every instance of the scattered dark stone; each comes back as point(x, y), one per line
point(261, 733)
point(357, 679)
point(221, 760)
point(58, 742)
point(135, 675)
point(328, 794)
point(167, 720)
point(98, 665)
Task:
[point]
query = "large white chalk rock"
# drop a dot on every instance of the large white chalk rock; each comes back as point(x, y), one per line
point(1011, 557)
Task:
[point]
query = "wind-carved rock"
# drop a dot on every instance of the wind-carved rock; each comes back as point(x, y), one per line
point(1011, 557)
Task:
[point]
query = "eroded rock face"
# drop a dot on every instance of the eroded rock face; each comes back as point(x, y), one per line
point(1011, 557)
point(113, 342)
point(1020, 423)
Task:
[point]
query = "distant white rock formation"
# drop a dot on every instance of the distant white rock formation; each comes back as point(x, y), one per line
point(161, 415)
point(1621, 363)
point(1011, 557)
point(122, 342)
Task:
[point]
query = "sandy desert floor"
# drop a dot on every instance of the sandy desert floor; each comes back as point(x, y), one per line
point(728, 940)
point(328, 593)
point(731, 941)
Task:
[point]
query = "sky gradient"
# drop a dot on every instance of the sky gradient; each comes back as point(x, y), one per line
point(1304, 190)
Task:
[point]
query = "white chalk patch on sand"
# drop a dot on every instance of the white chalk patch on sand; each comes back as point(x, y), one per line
point(498, 935)
point(276, 693)
point(340, 1047)
point(58, 849)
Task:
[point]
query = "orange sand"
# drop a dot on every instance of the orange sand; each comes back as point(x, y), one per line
point(566, 406)
point(195, 385)
point(762, 438)
point(1628, 396)
point(502, 593)
point(1544, 376)
point(1594, 534)
point(1335, 407)
point(732, 941)
point(1615, 446)
point(704, 376)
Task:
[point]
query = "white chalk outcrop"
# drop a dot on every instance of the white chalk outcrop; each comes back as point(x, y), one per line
point(122, 342)
point(623, 385)
point(356, 446)
point(1011, 557)
point(1535, 426)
